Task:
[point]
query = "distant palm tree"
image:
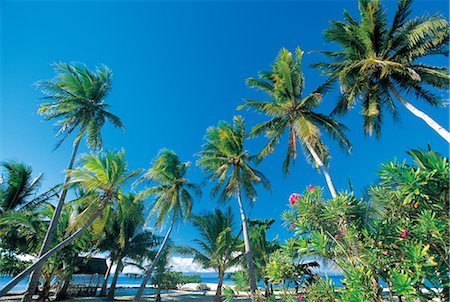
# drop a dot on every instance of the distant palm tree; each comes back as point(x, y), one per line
point(378, 60)
point(263, 248)
point(173, 199)
point(77, 101)
point(100, 175)
point(224, 158)
point(289, 110)
point(219, 248)
point(126, 238)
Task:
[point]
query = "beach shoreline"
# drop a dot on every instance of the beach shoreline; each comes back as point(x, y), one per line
point(186, 292)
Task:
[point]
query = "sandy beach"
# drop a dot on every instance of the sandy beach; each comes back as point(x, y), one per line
point(173, 295)
point(187, 292)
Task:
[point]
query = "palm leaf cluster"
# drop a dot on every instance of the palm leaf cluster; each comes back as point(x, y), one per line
point(378, 58)
point(18, 189)
point(21, 204)
point(227, 162)
point(171, 189)
point(77, 99)
point(101, 178)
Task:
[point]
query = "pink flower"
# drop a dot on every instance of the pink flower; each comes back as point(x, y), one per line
point(300, 298)
point(311, 188)
point(291, 226)
point(293, 198)
point(404, 234)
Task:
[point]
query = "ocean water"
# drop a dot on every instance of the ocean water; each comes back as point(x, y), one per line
point(125, 283)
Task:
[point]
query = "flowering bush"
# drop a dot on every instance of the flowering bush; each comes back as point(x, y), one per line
point(397, 236)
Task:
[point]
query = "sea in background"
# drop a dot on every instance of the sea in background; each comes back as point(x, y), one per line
point(127, 285)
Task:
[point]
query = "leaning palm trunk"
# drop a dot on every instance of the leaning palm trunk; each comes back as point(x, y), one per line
point(324, 169)
point(34, 279)
point(39, 262)
point(248, 250)
point(427, 119)
point(112, 288)
point(105, 280)
point(155, 261)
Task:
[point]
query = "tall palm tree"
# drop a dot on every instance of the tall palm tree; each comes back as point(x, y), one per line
point(228, 163)
point(77, 101)
point(125, 236)
point(289, 110)
point(102, 176)
point(173, 199)
point(378, 61)
point(219, 248)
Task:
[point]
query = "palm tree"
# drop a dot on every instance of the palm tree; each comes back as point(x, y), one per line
point(219, 247)
point(287, 109)
point(102, 176)
point(224, 158)
point(125, 237)
point(263, 248)
point(173, 199)
point(161, 278)
point(77, 102)
point(378, 61)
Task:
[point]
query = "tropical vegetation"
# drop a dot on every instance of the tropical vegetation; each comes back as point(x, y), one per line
point(395, 239)
point(389, 243)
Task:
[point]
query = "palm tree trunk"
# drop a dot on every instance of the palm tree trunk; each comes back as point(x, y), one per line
point(105, 280)
point(218, 297)
point(427, 119)
point(155, 261)
point(158, 294)
point(61, 293)
point(34, 279)
point(324, 169)
point(39, 262)
point(44, 294)
point(112, 288)
point(248, 250)
point(267, 287)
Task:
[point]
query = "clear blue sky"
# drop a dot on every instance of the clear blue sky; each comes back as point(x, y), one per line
point(180, 67)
